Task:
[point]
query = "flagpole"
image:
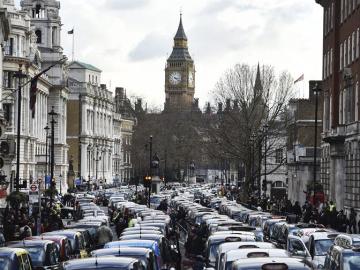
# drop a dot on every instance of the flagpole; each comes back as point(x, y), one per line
point(73, 44)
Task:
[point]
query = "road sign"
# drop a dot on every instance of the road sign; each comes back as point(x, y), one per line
point(33, 188)
point(48, 180)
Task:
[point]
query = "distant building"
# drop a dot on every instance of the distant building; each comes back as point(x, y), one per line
point(300, 145)
point(340, 166)
point(179, 75)
point(90, 124)
point(124, 161)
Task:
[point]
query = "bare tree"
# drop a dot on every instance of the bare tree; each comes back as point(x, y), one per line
point(255, 102)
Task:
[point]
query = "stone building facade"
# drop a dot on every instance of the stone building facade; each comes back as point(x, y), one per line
point(124, 108)
point(90, 125)
point(300, 144)
point(46, 25)
point(340, 166)
point(21, 51)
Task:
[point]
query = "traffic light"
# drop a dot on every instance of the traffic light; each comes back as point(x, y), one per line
point(147, 181)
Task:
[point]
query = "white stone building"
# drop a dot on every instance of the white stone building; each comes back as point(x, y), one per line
point(22, 51)
point(90, 124)
point(46, 24)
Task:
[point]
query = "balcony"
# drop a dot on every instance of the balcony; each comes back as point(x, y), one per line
point(352, 129)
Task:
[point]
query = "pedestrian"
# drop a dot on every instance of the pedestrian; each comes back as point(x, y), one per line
point(352, 221)
point(103, 236)
point(341, 221)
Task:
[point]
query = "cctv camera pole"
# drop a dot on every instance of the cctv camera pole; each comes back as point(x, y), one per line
point(19, 75)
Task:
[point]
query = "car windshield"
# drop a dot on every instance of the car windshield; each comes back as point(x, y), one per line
point(37, 255)
point(322, 246)
point(4, 263)
point(213, 252)
point(352, 261)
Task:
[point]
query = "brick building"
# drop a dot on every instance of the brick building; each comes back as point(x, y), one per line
point(340, 161)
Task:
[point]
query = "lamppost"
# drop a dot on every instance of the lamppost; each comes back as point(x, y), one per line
point(316, 89)
point(150, 167)
point(52, 113)
point(252, 160)
point(97, 159)
point(259, 141)
point(60, 180)
point(265, 131)
point(46, 152)
point(192, 169)
point(103, 151)
point(89, 163)
point(19, 75)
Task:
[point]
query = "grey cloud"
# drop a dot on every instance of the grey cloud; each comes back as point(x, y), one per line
point(152, 46)
point(126, 4)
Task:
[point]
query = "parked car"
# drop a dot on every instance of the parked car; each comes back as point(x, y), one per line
point(104, 263)
point(76, 240)
point(145, 255)
point(341, 258)
point(63, 245)
point(15, 258)
point(43, 253)
point(271, 263)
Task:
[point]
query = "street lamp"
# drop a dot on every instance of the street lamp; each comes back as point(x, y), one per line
point(89, 163)
point(316, 89)
point(103, 151)
point(19, 75)
point(46, 151)
point(265, 131)
point(52, 113)
point(60, 180)
point(97, 159)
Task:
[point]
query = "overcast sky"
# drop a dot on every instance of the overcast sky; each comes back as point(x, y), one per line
point(130, 39)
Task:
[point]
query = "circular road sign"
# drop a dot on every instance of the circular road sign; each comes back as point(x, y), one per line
point(33, 188)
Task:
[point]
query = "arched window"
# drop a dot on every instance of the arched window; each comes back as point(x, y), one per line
point(38, 35)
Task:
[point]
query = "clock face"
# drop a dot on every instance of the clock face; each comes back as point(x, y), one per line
point(175, 78)
point(191, 79)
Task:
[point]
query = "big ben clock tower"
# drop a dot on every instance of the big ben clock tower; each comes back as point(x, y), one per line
point(179, 75)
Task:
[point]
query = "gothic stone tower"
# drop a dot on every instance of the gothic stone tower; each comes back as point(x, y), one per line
point(179, 75)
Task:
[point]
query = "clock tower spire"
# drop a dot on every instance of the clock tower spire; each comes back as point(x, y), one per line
point(179, 74)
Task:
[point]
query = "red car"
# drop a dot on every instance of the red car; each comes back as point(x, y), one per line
point(62, 242)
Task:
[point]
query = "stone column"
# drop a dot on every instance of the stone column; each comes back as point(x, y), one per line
point(337, 174)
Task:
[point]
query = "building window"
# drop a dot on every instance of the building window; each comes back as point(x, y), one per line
point(38, 36)
point(7, 112)
point(279, 155)
point(353, 55)
point(9, 47)
point(345, 53)
point(349, 50)
point(324, 67)
point(357, 43)
point(331, 61)
point(89, 79)
point(53, 36)
point(341, 57)
point(342, 11)
point(332, 16)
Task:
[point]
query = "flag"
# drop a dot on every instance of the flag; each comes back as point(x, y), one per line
point(33, 87)
point(301, 78)
point(33, 91)
point(71, 32)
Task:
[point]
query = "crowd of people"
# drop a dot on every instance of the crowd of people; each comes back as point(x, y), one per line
point(17, 224)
